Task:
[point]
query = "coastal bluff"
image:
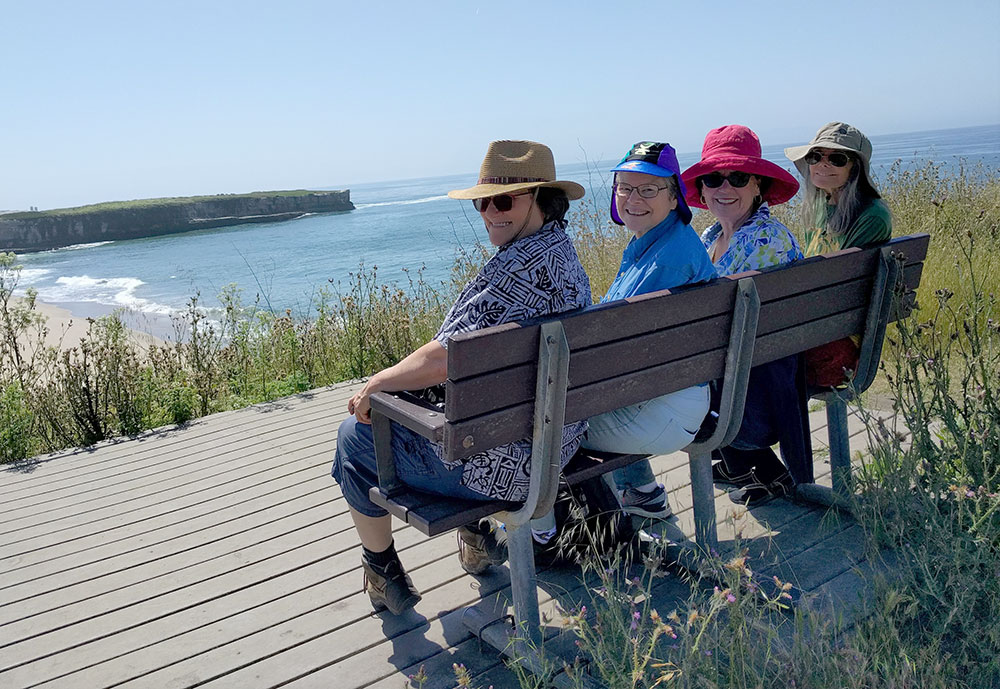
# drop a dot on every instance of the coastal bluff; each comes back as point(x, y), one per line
point(41, 230)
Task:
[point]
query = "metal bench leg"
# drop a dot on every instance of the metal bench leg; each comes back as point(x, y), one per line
point(521, 562)
point(840, 446)
point(703, 497)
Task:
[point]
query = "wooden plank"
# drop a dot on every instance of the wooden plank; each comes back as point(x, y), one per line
point(111, 456)
point(104, 517)
point(472, 397)
point(206, 462)
point(509, 346)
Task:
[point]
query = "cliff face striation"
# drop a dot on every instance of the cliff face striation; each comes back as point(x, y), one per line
point(36, 231)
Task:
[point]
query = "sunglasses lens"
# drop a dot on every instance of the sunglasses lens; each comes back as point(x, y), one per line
point(838, 159)
point(812, 157)
point(738, 179)
point(503, 203)
point(713, 180)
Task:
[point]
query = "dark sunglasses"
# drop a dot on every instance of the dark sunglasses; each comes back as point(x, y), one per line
point(502, 202)
point(714, 180)
point(835, 159)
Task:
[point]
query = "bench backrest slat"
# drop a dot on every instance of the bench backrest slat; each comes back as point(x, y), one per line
point(660, 343)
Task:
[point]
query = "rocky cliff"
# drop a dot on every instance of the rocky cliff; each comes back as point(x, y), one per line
point(36, 231)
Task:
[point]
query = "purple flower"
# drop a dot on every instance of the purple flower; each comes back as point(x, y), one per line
point(635, 620)
point(731, 598)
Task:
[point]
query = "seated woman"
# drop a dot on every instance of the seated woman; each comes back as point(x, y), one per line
point(738, 186)
point(842, 209)
point(664, 252)
point(534, 272)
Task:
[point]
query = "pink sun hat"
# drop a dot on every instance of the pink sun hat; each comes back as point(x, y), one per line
point(735, 147)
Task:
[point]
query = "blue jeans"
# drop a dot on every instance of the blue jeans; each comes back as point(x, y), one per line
point(417, 465)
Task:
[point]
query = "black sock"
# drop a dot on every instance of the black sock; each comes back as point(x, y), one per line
point(381, 559)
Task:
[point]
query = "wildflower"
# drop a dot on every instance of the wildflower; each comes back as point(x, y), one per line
point(635, 620)
point(674, 617)
point(692, 617)
point(730, 598)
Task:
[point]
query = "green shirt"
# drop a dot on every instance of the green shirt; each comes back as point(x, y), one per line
point(872, 226)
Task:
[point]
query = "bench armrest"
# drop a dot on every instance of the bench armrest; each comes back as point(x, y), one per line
point(409, 411)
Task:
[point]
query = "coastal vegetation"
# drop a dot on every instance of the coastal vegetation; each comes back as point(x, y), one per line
point(928, 492)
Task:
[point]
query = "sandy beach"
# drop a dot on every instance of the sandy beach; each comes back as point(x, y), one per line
point(65, 330)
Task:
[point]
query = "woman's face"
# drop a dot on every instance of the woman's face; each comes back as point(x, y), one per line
point(731, 205)
point(827, 176)
point(640, 214)
point(523, 218)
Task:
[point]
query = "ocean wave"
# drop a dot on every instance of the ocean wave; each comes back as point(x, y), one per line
point(361, 206)
point(117, 292)
point(29, 276)
point(77, 247)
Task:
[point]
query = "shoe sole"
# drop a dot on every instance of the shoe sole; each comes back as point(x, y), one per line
point(640, 512)
point(408, 604)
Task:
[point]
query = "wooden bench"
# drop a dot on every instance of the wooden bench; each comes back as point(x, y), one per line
point(521, 380)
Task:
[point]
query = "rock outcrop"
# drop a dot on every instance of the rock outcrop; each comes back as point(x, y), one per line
point(36, 231)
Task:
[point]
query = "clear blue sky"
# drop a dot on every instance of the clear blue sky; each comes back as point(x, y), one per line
point(107, 101)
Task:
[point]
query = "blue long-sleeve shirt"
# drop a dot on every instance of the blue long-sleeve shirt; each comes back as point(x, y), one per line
point(667, 256)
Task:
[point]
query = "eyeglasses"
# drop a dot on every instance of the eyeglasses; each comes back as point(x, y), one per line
point(835, 159)
point(646, 191)
point(502, 202)
point(714, 180)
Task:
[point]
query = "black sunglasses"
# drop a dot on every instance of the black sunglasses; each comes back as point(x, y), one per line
point(835, 159)
point(502, 202)
point(714, 180)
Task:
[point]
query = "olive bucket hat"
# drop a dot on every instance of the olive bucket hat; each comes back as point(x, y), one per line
point(511, 166)
point(840, 137)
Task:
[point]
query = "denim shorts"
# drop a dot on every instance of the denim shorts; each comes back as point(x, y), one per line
point(417, 465)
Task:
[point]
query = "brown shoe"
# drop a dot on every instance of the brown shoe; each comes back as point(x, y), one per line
point(480, 545)
point(390, 588)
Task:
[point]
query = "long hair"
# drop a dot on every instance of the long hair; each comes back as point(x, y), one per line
point(853, 198)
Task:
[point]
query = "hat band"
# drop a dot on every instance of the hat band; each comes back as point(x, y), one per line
point(510, 180)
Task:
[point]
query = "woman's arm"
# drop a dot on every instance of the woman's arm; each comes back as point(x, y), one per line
point(425, 367)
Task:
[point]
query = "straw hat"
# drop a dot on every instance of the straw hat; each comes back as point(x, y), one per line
point(735, 147)
point(839, 137)
point(511, 166)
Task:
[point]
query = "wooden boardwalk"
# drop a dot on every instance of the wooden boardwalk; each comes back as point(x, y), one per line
point(221, 554)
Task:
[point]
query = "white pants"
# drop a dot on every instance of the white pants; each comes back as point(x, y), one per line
point(658, 426)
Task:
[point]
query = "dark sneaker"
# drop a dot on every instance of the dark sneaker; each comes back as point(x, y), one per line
point(480, 546)
point(653, 504)
point(720, 474)
point(390, 588)
point(757, 493)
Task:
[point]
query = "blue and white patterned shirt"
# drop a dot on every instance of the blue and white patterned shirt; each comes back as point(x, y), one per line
point(531, 277)
point(760, 242)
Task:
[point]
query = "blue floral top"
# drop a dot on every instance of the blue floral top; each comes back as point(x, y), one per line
point(760, 242)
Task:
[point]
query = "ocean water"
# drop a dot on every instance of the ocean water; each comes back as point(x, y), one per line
point(397, 225)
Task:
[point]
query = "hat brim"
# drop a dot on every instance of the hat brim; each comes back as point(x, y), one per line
point(573, 190)
point(797, 155)
point(642, 166)
point(783, 185)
